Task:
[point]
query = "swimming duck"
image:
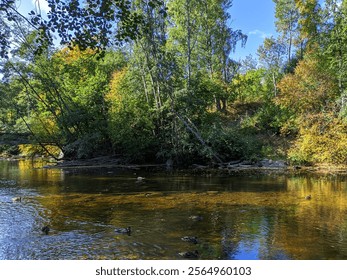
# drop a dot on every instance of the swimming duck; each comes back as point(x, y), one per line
point(140, 180)
point(191, 239)
point(196, 218)
point(123, 230)
point(190, 254)
point(17, 199)
point(308, 197)
point(45, 230)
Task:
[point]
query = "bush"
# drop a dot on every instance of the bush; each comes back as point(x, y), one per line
point(322, 139)
point(87, 146)
point(9, 150)
point(234, 143)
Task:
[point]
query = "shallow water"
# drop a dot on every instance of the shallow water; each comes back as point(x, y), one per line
point(239, 217)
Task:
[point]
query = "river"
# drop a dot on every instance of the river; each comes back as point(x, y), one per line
point(232, 217)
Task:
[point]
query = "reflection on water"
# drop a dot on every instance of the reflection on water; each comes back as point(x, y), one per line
point(250, 217)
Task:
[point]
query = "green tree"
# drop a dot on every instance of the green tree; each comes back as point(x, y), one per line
point(287, 16)
point(271, 55)
point(60, 99)
point(88, 24)
point(309, 23)
point(131, 120)
point(335, 39)
point(203, 39)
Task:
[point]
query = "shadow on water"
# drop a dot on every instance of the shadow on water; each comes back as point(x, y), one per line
point(249, 217)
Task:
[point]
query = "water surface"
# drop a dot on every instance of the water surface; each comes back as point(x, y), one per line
point(239, 217)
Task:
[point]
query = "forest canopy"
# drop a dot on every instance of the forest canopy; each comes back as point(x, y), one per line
point(152, 81)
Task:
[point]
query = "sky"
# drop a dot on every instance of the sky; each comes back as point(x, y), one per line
point(255, 18)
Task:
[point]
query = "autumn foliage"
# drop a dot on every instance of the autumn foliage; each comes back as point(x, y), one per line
point(310, 93)
point(311, 88)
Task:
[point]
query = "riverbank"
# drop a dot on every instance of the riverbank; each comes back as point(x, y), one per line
point(265, 166)
point(242, 167)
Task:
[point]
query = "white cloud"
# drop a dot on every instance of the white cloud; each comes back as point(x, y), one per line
point(41, 5)
point(259, 33)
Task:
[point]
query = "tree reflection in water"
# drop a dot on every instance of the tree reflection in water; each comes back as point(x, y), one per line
point(259, 217)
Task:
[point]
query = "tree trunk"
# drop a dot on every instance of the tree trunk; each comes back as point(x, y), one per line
point(192, 128)
point(188, 44)
point(274, 83)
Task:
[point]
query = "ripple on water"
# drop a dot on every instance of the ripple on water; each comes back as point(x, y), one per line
point(7, 183)
point(242, 218)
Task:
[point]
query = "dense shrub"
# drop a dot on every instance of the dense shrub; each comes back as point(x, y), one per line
point(322, 139)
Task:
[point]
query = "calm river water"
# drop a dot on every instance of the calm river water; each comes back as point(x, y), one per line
point(239, 217)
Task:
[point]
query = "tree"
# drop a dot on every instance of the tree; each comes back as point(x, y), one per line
point(271, 57)
point(249, 86)
point(248, 63)
point(335, 39)
point(150, 53)
point(201, 36)
point(311, 89)
point(322, 138)
point(183, 34)
point(94, 24)
point(155, 102)
point(309, 23)
point(131, 122)
point(287, 23)
point(61, 99)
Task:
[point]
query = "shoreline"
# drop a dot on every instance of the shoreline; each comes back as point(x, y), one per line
point(271, 167)
point(264, 166)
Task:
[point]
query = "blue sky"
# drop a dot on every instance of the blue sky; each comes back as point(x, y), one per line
point(254, 17)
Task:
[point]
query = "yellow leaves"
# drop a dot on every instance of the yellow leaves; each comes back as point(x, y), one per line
point(44, 125)
point(115, 95)
point(308, 20)
point(322, 139)
point(309, 89)
point(74, 62)
point(74, 54)
point(310, 92)
point(32, 150)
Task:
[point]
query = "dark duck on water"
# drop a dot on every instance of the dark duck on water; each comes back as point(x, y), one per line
point(123, 230)
point(45, 230)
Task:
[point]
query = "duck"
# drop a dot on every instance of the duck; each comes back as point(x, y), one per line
point(191, 239)
point(308, 197)
point(196, 218)
point(45, 230)
point(190, 254)
point(140, 180)
point(17, 199)
point(123, 230)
